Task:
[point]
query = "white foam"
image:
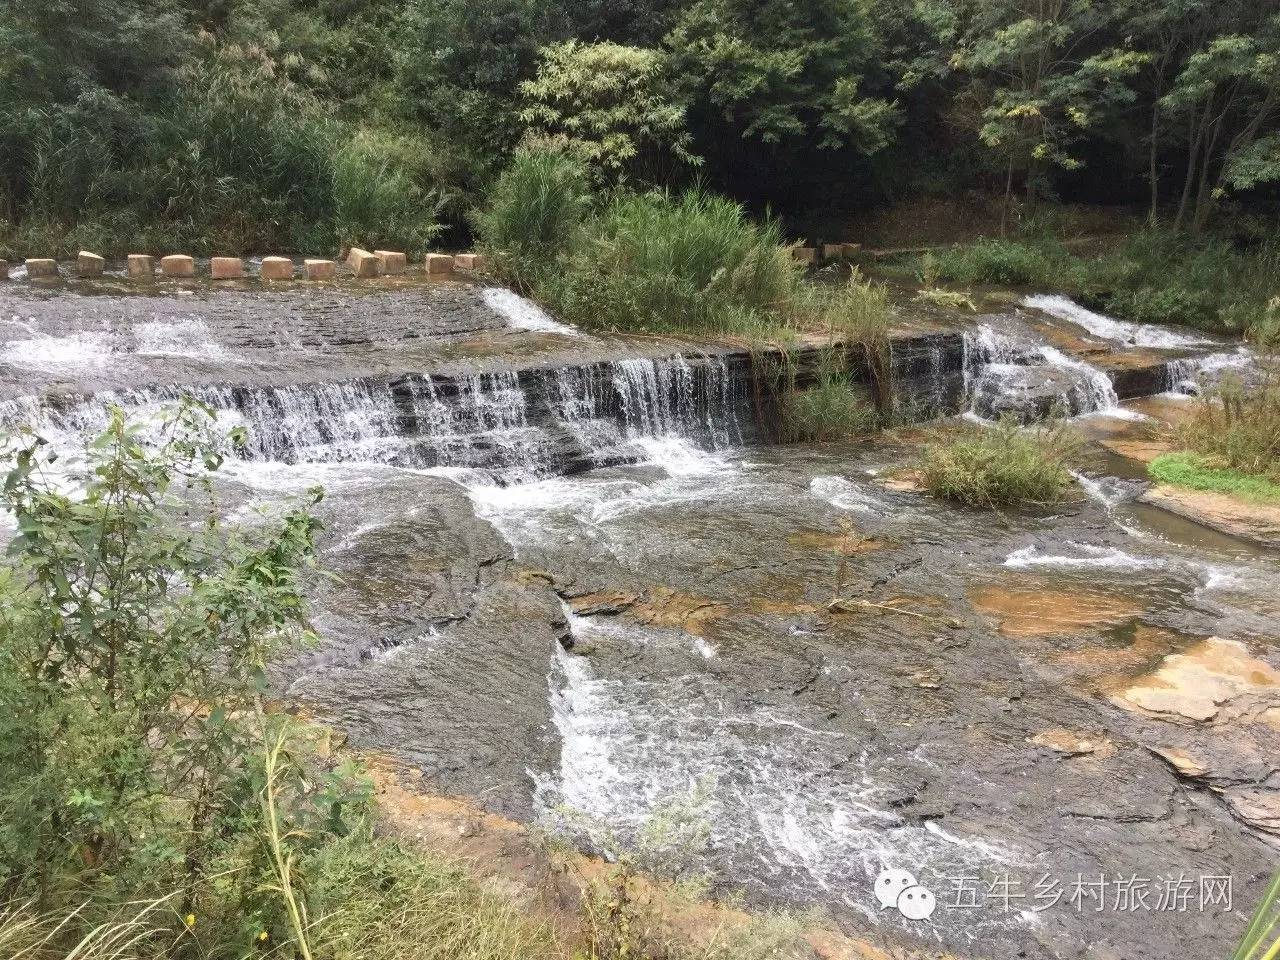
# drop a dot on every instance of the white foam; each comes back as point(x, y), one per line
point(844, 494)
point(78, 351)
point(1109, 328)
point(523, 314)
point(183, 338)
point(784, 796)
point(1089, 557)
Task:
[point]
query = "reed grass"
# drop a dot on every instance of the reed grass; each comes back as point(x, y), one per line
point(677, 263)
point(534, 214)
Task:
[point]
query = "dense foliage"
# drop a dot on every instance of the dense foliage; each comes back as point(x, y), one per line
point(314, 123)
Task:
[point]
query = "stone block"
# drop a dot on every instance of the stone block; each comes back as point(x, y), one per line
point(4, 269)
point(363, 263)
point(392, 261)
point(469, 261)
point(319, 269)
point(41, 268)
point(226, 268)
point(276, 268)
point(438, 263)
point(804, 254)
point(177, 265)
point(142, 266)
point(89, 264)
point(833, 251)
point(851, 250)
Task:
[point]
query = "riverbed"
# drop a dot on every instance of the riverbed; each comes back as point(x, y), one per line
point(577, 584)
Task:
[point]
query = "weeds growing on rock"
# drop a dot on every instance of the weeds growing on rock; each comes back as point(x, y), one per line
point(1001, 466)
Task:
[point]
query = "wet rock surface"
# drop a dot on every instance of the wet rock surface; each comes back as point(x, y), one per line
point(833, 674)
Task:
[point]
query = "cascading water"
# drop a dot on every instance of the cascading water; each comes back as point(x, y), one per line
point(513, 426)
point(1007, 375)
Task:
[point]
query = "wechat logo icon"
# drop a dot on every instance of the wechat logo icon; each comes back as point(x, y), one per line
point(899, 890)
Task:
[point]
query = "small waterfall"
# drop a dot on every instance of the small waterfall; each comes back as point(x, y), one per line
point(1030, 380)
point(514, 426)
point(1109, 328)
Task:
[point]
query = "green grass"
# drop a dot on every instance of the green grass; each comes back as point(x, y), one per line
point(832, 409)
point(691, 262)
point(380, 898)
point(533, 214)
point(1002, 466)
point(1199, 473)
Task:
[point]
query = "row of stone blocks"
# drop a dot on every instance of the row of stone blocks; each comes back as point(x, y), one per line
point(362, 262)
point(826, 251)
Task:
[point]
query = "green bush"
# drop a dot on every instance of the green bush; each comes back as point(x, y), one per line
point(533, 214)
point(688, 262)
point(383, 194)
point(137, 762)
point(1001, 466)
point(1000, 262)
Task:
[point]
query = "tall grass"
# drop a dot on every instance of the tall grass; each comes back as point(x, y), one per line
point(1001, 466)
point(1236, 425)
point(534, 214)
point(381, 899)
point(689, 262)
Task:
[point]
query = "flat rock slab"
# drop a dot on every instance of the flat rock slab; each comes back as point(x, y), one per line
point(1194, 685)
point(1234, 516)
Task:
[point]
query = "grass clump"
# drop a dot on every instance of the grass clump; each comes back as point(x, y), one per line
point(1204, 473)
point(832, 408)
point(534, 214)
point(1002, 466)
point(679, 263)
point(1236, 426)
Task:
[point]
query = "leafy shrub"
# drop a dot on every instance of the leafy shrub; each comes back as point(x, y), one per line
point(1001, 466)
point(693, 261)
point(613, 107)
point(534, 213)
point(134, 748)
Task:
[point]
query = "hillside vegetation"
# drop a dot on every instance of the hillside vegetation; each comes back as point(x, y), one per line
point(306, 124)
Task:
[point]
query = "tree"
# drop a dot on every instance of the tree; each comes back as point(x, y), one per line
point(612, 107)
point(1228, 93)
point(776, 71)
point(1044, 79)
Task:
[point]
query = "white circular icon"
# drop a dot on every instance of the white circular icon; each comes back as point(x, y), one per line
point(890, 884)
point(916, 903)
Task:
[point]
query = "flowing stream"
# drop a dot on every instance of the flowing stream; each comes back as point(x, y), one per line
point(576, 583)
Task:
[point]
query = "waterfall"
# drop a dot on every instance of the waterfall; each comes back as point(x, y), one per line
point(513, 425)
point(1028, 379)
